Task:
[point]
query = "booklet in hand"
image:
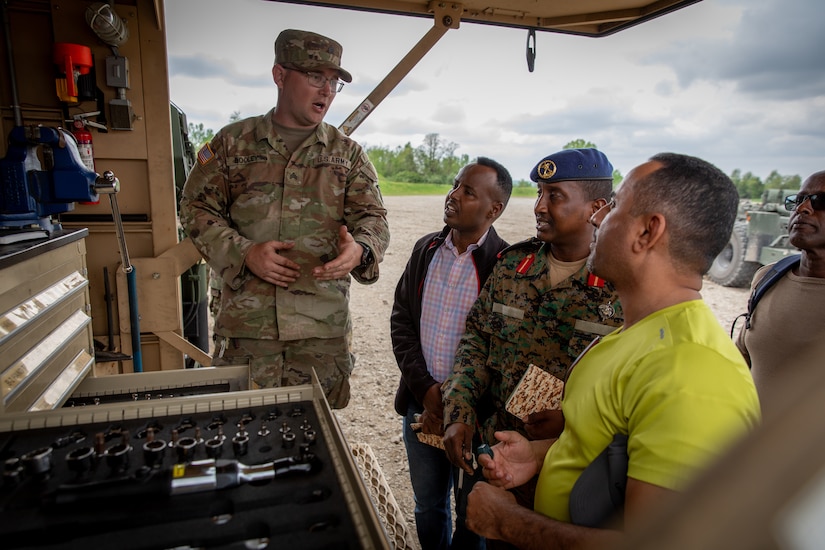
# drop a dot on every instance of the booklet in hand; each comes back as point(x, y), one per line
point(536, 391)
point(430, 439)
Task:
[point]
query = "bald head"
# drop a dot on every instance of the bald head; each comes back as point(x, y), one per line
point(815, 177)
point(806, 226)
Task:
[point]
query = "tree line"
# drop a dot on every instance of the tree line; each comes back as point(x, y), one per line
point(752, 187)
point(435, 161)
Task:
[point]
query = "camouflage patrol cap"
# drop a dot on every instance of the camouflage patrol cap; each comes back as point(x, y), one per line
point(572, 164)
point(307, 50)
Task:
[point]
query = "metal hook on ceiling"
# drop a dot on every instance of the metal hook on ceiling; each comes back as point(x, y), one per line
point(531, 49)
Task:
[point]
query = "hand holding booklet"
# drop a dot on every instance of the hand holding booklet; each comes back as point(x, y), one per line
point(536, 391)
point(430, 439)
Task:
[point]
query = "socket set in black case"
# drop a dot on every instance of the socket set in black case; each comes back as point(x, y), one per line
point(253, 469)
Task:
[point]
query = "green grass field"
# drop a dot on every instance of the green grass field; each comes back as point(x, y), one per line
point(397, 189)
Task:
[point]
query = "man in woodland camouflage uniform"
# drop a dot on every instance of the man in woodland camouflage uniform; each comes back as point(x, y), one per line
point(540, 306)
point(285, 208)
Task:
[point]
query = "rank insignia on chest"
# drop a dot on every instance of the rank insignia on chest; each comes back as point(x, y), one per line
point(606, 311)
point(525, 264)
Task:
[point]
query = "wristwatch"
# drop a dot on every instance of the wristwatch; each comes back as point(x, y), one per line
point(366, 257)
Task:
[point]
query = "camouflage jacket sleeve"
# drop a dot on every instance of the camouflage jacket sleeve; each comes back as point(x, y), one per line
point(204, 214)
point(366, 216)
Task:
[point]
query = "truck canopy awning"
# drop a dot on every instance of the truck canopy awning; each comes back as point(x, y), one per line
point(582, 17)
point(579, 17)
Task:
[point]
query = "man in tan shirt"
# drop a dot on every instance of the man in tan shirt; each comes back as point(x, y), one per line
point(785, 332)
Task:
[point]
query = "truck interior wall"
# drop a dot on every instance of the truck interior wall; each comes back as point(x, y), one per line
point(141, 158)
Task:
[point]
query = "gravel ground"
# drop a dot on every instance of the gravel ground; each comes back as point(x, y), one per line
point(370, 417)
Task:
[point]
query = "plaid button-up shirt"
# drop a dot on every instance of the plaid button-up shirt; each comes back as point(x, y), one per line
point(450, 289)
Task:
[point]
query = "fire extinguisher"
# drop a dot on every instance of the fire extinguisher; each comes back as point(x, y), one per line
point(84, 143)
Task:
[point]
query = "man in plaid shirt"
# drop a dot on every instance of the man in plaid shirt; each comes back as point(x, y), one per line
point(442, 280)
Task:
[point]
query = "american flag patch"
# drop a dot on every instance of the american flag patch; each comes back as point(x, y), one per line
point(205, 154)
point(592, 280)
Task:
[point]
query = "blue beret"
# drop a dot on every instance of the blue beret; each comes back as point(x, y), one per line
point(572, 164)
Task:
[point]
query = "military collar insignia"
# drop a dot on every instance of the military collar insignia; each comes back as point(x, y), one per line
point(546, 169)
point(525, 264)
point(592, 280)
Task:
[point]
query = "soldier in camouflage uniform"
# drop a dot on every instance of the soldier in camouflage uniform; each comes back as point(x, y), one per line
point(285, 208)
point(540, 306)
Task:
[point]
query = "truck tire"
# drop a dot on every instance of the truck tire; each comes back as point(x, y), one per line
point(730, 268)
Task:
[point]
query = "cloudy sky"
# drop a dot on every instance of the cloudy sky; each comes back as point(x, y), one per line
point(740, 83)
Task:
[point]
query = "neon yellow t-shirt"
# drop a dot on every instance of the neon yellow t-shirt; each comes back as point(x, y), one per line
point(673, 382)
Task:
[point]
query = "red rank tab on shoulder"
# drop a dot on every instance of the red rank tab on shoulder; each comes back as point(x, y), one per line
point(592, 280)
point(525, 264)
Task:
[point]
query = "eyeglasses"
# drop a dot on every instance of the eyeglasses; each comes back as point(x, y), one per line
point(610, 205)
point(318, 80)
point(792, 202)
point(606, 209)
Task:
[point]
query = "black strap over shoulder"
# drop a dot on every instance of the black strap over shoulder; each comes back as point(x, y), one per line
point(776, 272)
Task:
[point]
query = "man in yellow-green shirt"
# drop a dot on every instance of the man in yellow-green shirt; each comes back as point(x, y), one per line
point(672, 381)
point(669, 380)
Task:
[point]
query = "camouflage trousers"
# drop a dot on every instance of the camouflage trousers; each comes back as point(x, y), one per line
point(274, 363)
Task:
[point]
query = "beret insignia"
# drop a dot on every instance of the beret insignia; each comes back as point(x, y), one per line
point(546, 169)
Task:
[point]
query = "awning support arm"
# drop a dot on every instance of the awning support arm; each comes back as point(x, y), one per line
point(447, 16)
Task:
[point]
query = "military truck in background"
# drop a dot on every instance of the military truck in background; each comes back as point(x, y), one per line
point(759, 237)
